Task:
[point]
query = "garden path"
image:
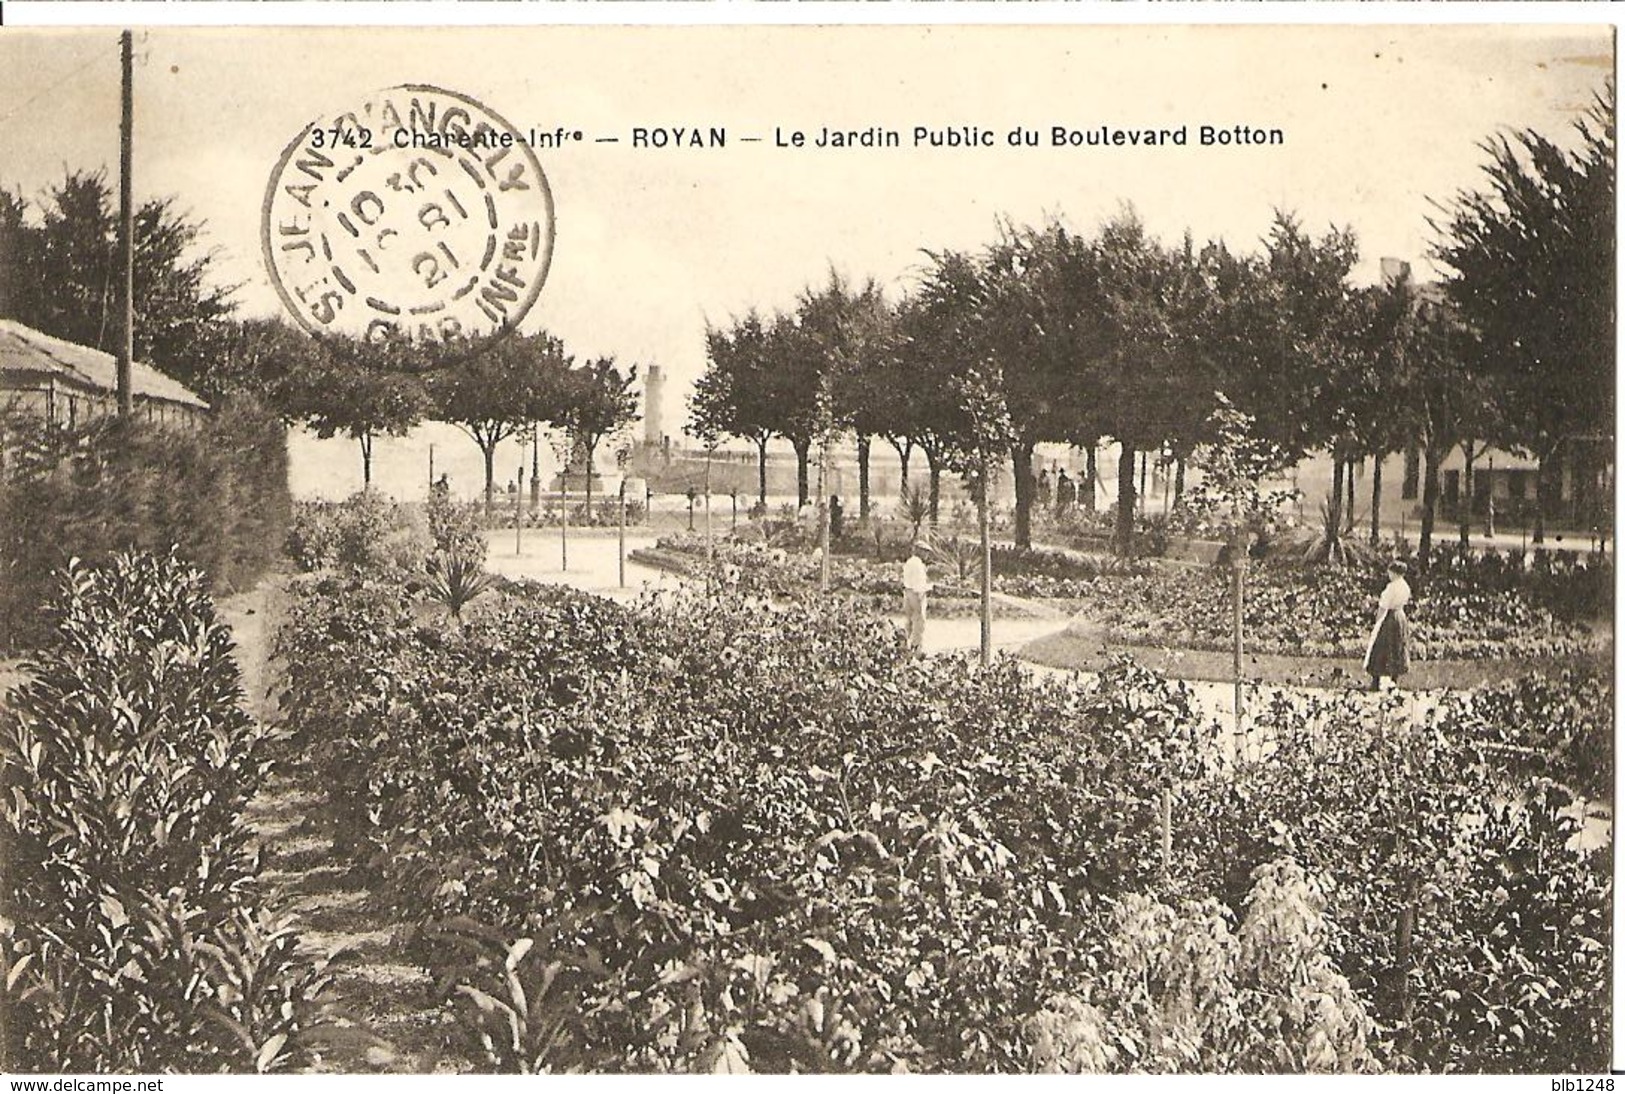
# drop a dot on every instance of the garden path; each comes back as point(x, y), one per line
point(593, 558)
point(376, 983)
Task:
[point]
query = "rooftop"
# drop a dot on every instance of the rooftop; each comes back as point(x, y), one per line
point(26, 349)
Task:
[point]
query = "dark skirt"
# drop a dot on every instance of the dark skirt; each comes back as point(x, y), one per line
point(1390, 651)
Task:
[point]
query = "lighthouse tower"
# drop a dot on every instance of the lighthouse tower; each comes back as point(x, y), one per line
point(654, 390)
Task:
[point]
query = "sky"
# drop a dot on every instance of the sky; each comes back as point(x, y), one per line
point(652, 244)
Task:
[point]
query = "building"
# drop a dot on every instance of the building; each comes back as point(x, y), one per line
point(71, 385)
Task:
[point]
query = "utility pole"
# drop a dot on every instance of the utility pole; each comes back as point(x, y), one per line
point(126, 231)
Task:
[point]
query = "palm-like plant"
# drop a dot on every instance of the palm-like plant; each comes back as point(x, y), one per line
point(456, 580)
point(1335, 546)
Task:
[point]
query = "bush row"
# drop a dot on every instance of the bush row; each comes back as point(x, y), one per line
point(132, 934)
point(217, 495)
point(368, 532)
point(700, 836)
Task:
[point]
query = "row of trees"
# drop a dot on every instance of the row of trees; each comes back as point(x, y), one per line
point(57, 274)
point(504, 390)
point(1115, 335)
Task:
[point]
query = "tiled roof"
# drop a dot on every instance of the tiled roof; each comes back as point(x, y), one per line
point(26, 349)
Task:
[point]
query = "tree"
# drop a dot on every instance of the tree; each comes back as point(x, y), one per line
point(852, 331)
point(1150, 377)
point(355, 388)
point(732, 396)
point(987, 438)
point(938, 342)
point(1019, 331)
point(62, 276)
point(512, 383)
point(1233, 464)
point(796, 390)
point(1442, 395)
point(594, 401)
point(1531, 261)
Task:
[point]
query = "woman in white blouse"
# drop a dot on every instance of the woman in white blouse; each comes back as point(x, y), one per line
point(1388, 653)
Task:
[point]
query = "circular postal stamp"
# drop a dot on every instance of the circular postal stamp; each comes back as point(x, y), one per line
point(419, 213)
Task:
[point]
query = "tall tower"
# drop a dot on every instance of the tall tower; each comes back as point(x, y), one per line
point(654, 390)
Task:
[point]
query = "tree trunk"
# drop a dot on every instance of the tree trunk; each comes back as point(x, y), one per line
point(589, 478)
point(761, 472)
point(1432, 458)
point(1376, 500)
point(863, 478)
point(1021, 459)
point(1464, 511)
point(803, 448)
point(1348, 512)
point(936, 484)
point(1125, 500)
point(1540, 500)
point(1334, 519)
point(366, 459)
point(1145, 464)
point(1086, 496)
point(905, 449)
point(489, 451)
point(1179, 480)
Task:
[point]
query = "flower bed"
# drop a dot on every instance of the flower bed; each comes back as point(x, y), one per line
point(1322, 612)
point(696, 835)
point(777, 573)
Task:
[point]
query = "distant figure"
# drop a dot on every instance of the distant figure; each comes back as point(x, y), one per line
point(442, 487)
point(916, 583)
point(513, 488)
point(1043, 489)
point(837, 517)
point(1065, 493)
point(1388, 653)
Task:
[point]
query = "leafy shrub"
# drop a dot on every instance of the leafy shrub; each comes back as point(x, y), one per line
point(217, 495)
point(1468, 917)
point(132, 935)
point(368, 533)
point(1569, 584)
point(1184, 991)
point(455, 529)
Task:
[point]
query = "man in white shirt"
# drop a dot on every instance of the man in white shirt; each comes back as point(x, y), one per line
point(916, 583)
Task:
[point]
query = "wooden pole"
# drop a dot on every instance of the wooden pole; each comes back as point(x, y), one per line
point(1238, 559)
point(126, 228)
point(535, 468)
point(623, 533)
point(710, 543)
point(823, 515)
point(987, 567)
point(518, 513)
